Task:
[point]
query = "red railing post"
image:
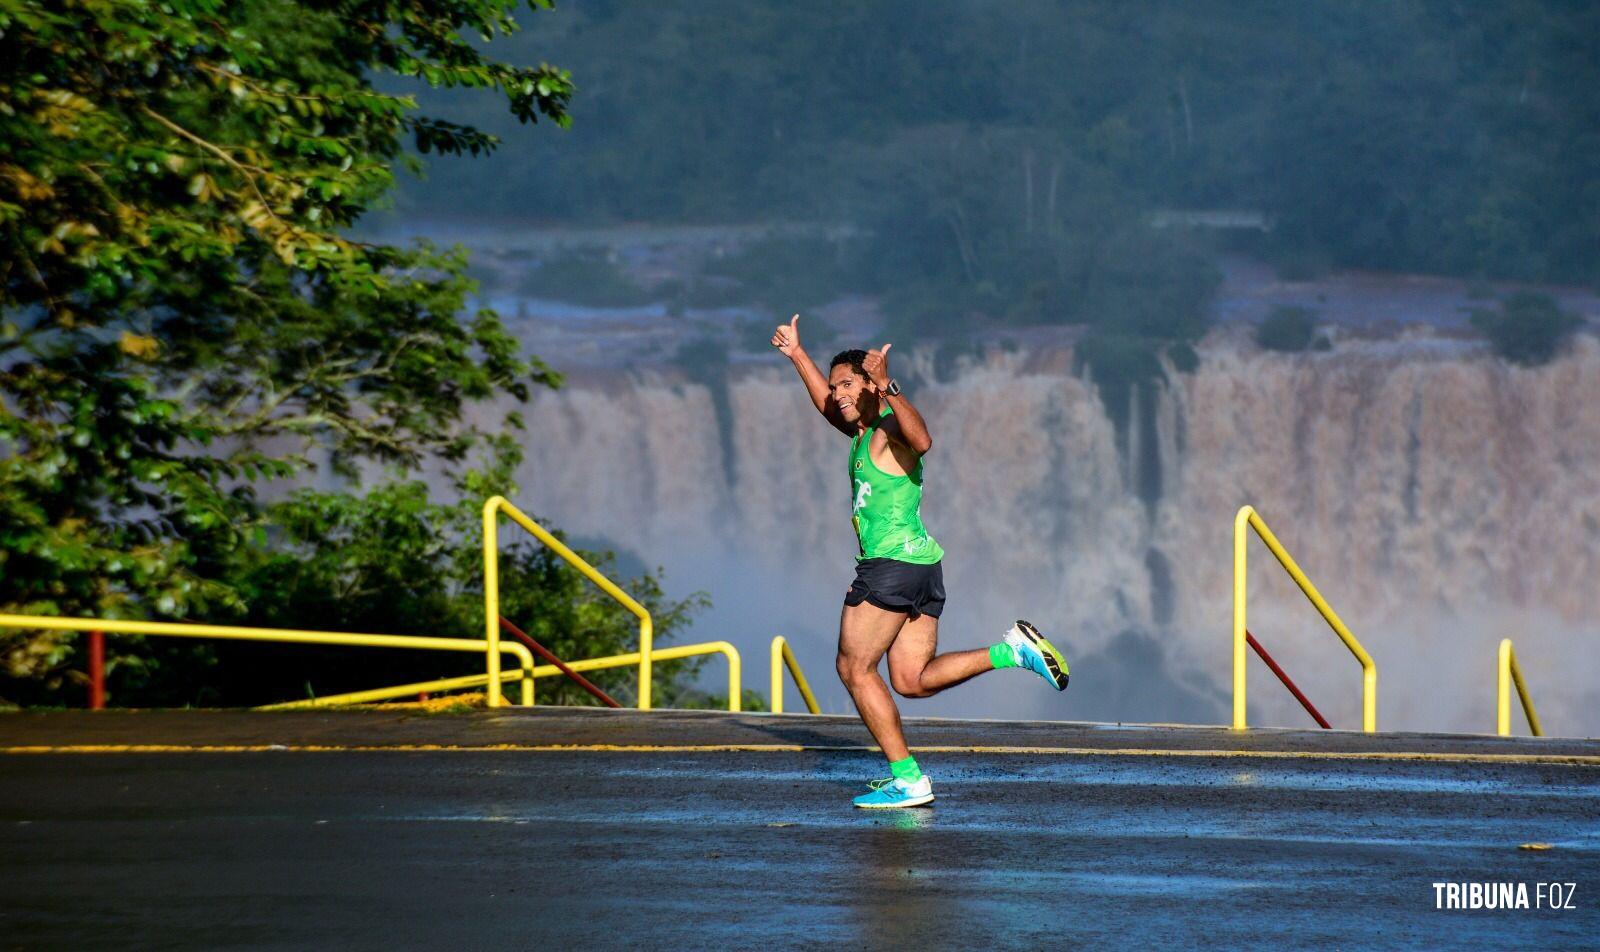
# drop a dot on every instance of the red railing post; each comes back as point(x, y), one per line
point(97, 670)
point(1304, 701)
point(544, 653)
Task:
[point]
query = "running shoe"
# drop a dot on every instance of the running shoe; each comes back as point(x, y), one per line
point(896, 794)
point(1038, 655)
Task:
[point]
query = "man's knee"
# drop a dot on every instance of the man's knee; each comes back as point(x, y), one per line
point(908, 684)
point(852, 670)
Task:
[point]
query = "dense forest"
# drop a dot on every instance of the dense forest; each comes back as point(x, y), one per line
point(981, 166)
point(1447, 137)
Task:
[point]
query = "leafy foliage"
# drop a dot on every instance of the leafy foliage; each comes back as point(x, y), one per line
point(1528, 329)
point(395, 561)
point(183, 315)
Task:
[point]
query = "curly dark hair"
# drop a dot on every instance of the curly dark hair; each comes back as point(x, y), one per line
point(855, 358)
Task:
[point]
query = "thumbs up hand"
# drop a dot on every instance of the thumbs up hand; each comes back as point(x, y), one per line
point(877, 366)
point(787, 337)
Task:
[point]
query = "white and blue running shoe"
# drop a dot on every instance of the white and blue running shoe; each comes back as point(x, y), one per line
point(1038, 655)
point(896, 794)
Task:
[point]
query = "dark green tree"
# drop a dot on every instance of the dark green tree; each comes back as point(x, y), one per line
point(1287, 328)
point(396, 560)
point(184, 314)
point(1529, 328)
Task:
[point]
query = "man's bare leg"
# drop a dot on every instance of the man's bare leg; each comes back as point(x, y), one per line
point(914, 669)
point(865, 633)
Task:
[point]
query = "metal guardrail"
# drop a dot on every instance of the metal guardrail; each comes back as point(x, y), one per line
point(735, 677)
point(546, 654)
point(524, 657)
point(781, 656)
point(1246, 519)
point(1511, 672)
point(491, 645)
point(735, 668)
point(492, 507)
point(439, 686)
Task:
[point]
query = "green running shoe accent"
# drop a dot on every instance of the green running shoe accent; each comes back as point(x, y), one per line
point(1002, 655)
point(1038, 655)
point(906, 770)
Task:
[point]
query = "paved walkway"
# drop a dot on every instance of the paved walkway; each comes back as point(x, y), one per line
point(573, 828)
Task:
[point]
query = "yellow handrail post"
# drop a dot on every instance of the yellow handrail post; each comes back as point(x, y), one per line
point(1511, 672)
point(735, 678)
point(491, 592)
point(783, 656)
point(775, 685)
point(1240, 523)
point(647, 637)
point(1503, 690)
point(526, 679)
point(1247, 516)
point(491, 598)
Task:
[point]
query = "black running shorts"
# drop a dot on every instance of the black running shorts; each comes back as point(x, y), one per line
point(897, 586)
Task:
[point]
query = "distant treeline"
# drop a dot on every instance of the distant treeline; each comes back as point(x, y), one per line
point(1012, 151)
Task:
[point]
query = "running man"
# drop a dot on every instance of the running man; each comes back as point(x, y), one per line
point(894, 604)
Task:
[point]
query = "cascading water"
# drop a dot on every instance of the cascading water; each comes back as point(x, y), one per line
point(1440, 498)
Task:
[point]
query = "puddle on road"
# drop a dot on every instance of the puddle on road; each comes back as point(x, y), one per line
point(1398, 777)
point(1382, 805)
point(1002, 819)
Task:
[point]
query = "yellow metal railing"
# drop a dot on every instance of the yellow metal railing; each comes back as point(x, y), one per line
point(440, 686)
point(735, 669)
point(1511, 672)
point(781, 656)
point(285, 635)
point(491, 597)
point(1247, 518)
point(735, 677)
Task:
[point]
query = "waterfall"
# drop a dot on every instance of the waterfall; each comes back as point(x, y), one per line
point(1441, 499)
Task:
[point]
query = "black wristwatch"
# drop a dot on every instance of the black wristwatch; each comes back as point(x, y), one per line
point(893, 390)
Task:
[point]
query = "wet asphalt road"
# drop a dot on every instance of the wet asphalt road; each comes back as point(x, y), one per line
point(551, 849)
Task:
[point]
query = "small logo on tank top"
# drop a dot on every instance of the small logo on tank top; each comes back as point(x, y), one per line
point(863, 490)
point(858, 465)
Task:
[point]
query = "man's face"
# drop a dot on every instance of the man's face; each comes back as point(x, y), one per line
point(852, 393)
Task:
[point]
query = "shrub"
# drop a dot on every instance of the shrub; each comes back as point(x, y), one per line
point(1287, 329)
point(1529, 329)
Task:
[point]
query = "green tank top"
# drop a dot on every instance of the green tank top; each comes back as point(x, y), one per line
point(886, 510)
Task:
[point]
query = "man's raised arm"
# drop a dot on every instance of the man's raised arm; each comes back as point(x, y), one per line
point(906, 427)
point(787, 339)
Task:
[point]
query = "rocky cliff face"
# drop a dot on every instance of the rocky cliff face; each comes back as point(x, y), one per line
point(1439, 498)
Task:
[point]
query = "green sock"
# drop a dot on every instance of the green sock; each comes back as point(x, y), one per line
point(906, 770)
point(1002, 655)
